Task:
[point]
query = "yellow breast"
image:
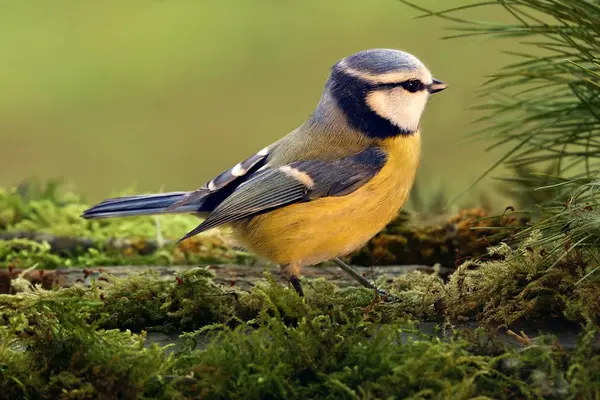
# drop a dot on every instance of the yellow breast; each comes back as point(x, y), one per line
point(316, 231)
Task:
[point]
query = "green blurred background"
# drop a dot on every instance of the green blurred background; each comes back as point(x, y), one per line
point(162, 95)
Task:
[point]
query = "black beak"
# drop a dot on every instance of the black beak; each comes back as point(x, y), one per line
point(437, 86)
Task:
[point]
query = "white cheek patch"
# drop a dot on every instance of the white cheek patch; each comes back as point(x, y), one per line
point(401, 108)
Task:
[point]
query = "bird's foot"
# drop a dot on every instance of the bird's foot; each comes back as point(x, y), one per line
point(361, 279)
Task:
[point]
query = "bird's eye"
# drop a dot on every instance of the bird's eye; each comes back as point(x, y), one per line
point(413, 85)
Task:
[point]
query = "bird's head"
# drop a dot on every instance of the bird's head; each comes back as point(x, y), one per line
point(382, 92)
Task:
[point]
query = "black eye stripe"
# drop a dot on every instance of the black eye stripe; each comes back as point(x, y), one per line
point(411, 85)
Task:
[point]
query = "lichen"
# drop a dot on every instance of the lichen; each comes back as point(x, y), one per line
point(423, 294)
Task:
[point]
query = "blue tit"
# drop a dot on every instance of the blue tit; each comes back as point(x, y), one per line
point(327, 187)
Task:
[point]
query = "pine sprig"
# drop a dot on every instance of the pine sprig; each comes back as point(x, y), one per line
point(545, 109)
point(545, 106)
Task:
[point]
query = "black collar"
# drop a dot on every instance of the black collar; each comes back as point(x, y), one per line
point(350, 94)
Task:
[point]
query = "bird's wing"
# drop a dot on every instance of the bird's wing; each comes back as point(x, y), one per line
point(273, 187)
point(213, 191)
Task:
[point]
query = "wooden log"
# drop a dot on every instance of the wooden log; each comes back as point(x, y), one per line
point(241, 276)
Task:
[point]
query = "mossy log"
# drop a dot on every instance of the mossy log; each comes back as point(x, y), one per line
point(447, 241)
point(67, 244)
point(77, 343)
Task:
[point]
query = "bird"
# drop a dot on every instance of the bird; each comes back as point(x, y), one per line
point(328, 186)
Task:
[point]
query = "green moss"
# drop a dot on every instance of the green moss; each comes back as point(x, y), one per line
point(323, 358)
point(269, 343)
point(51, 348)
point(41, 225)
point(526, 283)
point(54, 344)
point(24, 252)
point(189, 301)
point(75, 343)
point(192, 300)
point(33, 206)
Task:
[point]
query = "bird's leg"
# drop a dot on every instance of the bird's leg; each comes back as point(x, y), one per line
point(295, 281)
point(359, 278)
point(292, 272)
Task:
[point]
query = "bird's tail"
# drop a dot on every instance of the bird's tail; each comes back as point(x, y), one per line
point(148, 204)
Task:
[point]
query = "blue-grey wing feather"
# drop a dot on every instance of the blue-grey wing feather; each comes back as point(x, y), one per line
point(271, 188)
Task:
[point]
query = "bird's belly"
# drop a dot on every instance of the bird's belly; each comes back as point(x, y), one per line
point(316, 231)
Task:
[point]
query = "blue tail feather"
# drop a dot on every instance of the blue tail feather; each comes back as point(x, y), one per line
point(149, 204)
